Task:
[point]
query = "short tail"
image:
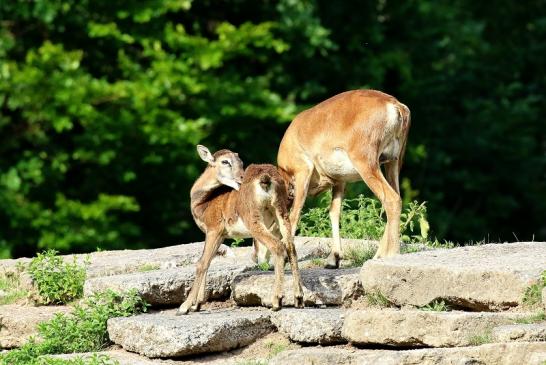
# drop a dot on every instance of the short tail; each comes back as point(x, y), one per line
point(405, 115)
point(265, 182)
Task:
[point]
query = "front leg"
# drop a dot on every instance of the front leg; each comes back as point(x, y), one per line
point(212, 242)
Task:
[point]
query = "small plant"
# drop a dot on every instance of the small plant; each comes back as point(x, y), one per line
point(236, 242)
point(538, 317)
point(377, 299)
point(263, 266)
point(318, 262)
point(363, 217)
point(57, 281)
point(357, 256)
point(276, 348)
point(83, 330)
point(148, 267)
point(436, 306)
point(533, 294)
point(481, 339)
point(95, 359)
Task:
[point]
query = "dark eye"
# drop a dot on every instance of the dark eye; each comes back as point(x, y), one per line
point(226, 162)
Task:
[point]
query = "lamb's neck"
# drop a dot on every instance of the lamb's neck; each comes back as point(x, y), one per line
point(202, 188)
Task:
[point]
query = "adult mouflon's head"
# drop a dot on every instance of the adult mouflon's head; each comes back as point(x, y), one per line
point(227, 165)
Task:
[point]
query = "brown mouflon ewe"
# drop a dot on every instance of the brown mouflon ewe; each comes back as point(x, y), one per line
point(345, 139)
point(228, 201)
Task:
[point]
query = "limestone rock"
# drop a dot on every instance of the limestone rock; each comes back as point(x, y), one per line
point(486, 277)
point(529, 353)
point(520, 332)
point(171, 286)
point(167, 335)
point(417, 328)
point(310, 325)
point(18, 323)
point(320, 287)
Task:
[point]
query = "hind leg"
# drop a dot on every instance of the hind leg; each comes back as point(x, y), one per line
point(335, 211)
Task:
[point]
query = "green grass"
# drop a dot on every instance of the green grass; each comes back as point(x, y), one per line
point(83, 330)
point(95, 359)
point(535, 318)
point(10, 284)
point(533, 294)
point(357, 256)
point(377, 299)
point(481, 338)
point(263, 266)
point(57, 281)
point(318, 262)
point(363, 217)
point(148, 267)
point(436, 306)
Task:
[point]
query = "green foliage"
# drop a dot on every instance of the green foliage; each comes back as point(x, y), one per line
point(57, 281)
point(263, 266)
point(436, 306)
point(83, 330)
point(377, 299)
point(481, 338)
point(148, 267)
point(363, 217)
point(357, 255)
point(537, 317)
point(533, 294)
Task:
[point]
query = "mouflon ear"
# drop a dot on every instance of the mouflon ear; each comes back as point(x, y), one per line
point(205, 154)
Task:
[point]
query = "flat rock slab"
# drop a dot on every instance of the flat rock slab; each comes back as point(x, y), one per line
point(310, 325)
point(486, 277)
point(171, 286)
point(167, 335)
point(320, 287)
point(529, 353)
point(19, 323)
point(417, 328)
point(105, 263)
point(520, 332)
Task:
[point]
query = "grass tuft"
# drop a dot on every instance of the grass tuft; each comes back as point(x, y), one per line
point(436, 306)
point(481, 338)
point(358, 255)
point(534, 318)
point(377, 299)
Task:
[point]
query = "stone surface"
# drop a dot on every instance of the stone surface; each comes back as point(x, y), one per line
point(529, 353)
point(310, 325)
point(171, 286)
point(417, 328)
point(320, 287)
point(18, 323)
point(126, 261)
point(520, 332)
point(167, 335)
point(486, 277)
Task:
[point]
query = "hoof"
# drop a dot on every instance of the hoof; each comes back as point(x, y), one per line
point(332, 262)
point(298, 302)
point(277, 304)
point(181, 312)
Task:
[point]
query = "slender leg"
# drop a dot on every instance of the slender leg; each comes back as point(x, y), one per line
point(212, 242)
point(371, 174)
point(335, 211)
point(288, 240)
point(301, 184)
point(275, 246)
point(392, 170)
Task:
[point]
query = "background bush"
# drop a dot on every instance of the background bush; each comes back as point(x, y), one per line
point(102, 102)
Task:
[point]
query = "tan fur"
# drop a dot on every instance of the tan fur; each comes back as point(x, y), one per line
point(222, 212)
point(345, 139)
